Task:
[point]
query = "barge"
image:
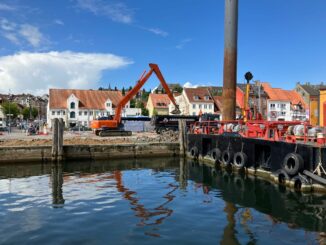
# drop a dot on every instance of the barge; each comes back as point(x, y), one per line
point(292, 154)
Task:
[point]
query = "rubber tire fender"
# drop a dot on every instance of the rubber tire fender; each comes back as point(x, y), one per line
point(194, 152)
point(299, 180)
point(296, 161)
point(227, 157)
point(243, 160)
point(216, 154)
point(282, 175)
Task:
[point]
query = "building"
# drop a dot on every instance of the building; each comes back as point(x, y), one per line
point(158, 104)
point(322, 107)
point(310, 94)
point(194, 101)
point(284, 105)
point(2, 118)
point(80, 107)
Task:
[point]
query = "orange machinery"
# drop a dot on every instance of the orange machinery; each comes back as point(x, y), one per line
point(114, 127)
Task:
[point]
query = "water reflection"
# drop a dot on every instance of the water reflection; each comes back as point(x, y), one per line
point(57, 182)
point(241, 200)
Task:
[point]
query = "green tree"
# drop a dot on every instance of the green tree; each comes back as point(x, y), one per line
point(123, 91)
point(10, 108)
point(144, 111)
point(178, 88)
point(30, 112)
point(115, 88)
point(132, 103)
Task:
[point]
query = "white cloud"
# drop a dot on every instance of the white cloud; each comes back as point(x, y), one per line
point(117, 12)
point(190, 85)
point(6, 7)
point(7, 25)
point(183, 43)
point(59, 22)
point(157, 31)
point(12, 38)
point(37, 72)
point(31, 34)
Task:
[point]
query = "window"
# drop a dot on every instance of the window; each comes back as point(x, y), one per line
point(199, 106)
point(72, 105)
point(283, 113)
point(210, 106)
point(91, 113)
point(72, 114)
point(53, 113)
point(63, 113)
point(196, 97)
point(193, 106)
point(108, 104)
point(85, 113)
point(80, 113)
point(58, 113)
point(205, 106)
point(206, 97)
point(283, 106)
point(272, 105)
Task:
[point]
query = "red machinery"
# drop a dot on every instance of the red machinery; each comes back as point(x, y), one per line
point(114, 127)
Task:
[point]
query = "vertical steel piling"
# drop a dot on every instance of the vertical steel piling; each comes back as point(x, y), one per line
point(230, 59)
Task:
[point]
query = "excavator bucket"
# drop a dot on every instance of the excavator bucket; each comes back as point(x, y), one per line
point(176, 111)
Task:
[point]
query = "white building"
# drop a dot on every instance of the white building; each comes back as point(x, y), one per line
point(194, 101)
point(284, 105)
point(2, 118)
point(80, 107)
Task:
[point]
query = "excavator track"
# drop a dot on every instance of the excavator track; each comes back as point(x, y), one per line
point(111, 133)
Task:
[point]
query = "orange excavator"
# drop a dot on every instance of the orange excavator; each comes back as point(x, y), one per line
point(114, 126)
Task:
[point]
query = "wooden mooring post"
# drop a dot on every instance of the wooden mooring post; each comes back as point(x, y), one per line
point(57, 139)
point(182, 136)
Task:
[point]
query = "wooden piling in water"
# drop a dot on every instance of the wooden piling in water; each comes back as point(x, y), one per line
point(60, 139)
point(55, 129)
point(182, 136)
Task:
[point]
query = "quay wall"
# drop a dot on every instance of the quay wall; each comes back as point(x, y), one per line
point(84, 152)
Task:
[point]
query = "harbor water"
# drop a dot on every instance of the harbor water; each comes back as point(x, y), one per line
point(151, 201)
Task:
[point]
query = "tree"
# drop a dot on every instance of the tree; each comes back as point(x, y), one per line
point(10, 108)
point(130, 88)
point(123, 91)
point(140, 104)
point(132, 103)
point(155, 113)
point(115, 88)
point(178, 88)
point(30, 112)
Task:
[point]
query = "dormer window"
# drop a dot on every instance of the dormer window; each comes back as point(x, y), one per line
point(206, 97)
point(72, 105)
point(108, 104)
point(196, 97)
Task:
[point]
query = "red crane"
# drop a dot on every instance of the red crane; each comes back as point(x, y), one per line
point(114, 127)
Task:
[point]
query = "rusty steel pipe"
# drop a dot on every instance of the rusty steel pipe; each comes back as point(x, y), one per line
point(230, 59)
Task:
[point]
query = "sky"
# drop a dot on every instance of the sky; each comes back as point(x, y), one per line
point(86, 44)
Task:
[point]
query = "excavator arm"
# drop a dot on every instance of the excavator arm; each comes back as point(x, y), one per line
point(139, 85)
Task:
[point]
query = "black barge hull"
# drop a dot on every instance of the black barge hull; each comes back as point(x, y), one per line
point(264, 158)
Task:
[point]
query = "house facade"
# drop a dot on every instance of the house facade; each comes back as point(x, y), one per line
point(195, 101)
point(158, 104)
point(80, 107)
point(284, 105)
point(2, 118)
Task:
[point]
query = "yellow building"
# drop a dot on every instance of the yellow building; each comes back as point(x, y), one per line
point(158, 104)
point(322, 107)
point(313, 111)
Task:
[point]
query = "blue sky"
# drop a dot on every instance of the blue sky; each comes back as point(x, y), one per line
point(42, 42)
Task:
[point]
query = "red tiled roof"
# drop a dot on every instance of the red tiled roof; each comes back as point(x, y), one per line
point(88, 99)
point(198, 95)
point(279, 94)
point(160, 100)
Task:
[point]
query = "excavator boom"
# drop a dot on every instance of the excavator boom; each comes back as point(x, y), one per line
point(113, 125)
